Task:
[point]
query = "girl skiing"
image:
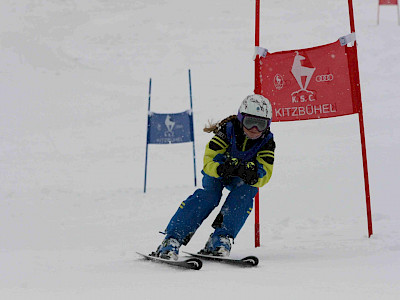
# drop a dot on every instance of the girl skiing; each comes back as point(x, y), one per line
point(240, 158)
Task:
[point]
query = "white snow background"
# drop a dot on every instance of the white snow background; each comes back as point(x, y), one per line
point(74, 81)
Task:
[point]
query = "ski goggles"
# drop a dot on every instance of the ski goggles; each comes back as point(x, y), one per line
point(260, 123)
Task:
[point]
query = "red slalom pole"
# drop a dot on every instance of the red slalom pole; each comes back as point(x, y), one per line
point(257, 221)
point(362, 131)
point(257, 83)
point(257, 90)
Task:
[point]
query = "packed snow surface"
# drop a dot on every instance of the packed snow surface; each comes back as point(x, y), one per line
point(74, 79)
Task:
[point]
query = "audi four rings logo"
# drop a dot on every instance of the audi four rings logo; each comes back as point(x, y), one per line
point(324, 78)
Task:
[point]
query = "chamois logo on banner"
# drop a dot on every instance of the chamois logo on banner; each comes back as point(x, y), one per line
point(170, 124)
point(279, 82)
point(302, 67)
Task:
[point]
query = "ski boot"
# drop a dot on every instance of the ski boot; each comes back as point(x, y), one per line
point(169, 249)
point(217, 245)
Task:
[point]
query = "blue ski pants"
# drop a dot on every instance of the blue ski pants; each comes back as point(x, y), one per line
point(197, 207)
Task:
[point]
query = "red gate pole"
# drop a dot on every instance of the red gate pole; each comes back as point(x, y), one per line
point(362, 132)
point(257, 221)
point(257, 83)
point(257, 90)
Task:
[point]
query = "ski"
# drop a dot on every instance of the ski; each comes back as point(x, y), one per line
point(188, 263)
point(248, 261)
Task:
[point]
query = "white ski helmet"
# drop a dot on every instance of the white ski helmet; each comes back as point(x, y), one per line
point(255, 105)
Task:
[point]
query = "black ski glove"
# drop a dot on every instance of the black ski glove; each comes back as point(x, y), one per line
point(229, 167)
point(248, 172)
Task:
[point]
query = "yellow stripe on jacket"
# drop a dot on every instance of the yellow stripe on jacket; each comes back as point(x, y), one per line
point(214, 147)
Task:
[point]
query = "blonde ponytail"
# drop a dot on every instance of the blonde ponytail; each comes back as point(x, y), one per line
point(214, 127)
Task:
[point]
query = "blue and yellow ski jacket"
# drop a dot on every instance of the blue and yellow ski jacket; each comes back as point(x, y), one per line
point(230, 140)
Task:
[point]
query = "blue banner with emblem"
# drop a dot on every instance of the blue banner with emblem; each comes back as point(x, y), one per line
point(170, 128)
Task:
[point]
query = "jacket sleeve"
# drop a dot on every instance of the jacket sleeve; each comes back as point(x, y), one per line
point(214, 154)
point(265, 162)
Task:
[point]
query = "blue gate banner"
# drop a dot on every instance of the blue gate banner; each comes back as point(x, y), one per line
point(170, 128)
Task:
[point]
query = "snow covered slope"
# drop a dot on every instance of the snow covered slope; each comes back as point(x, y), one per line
point(73, 110)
